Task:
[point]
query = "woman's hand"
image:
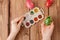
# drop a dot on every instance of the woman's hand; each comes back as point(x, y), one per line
point(47, 31)
point(15, 27)
point(16, 24)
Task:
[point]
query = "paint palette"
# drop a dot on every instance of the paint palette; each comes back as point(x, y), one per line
point(32, 17)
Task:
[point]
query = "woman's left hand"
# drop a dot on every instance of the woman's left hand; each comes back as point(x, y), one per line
point(46, 31)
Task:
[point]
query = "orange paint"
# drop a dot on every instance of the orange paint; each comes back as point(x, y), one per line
point(35, 19)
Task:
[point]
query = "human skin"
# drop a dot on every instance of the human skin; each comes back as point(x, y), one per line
point(47, 31)
point(15, 27)
point(16, 24)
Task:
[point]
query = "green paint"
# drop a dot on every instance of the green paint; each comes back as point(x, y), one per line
point(31, 12)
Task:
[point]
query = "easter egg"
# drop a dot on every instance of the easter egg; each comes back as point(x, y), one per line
point(48, 20)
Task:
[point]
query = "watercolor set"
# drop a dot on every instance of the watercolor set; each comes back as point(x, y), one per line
point(33, 16)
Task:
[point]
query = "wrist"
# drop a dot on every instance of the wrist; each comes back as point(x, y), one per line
point(11, 36)
point(46, 38)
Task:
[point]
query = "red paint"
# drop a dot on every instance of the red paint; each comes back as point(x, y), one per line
point(35, 19)
point(29, 4)
point(39, 16)
point(27, 23)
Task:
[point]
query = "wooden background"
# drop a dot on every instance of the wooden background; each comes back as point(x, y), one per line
point(10, 9)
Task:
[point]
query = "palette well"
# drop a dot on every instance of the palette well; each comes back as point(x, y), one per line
point(32, 17)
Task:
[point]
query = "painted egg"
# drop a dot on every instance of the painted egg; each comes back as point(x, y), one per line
point(48, 20)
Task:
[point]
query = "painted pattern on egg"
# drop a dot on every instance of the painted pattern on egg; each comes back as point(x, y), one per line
point(32, 17)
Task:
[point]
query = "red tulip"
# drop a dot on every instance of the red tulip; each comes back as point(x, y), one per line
point(29, 4)
point(49, 3)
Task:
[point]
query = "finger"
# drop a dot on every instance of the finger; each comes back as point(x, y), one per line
point(20, 19)
point(17, 19)
point(42, 26)
point(52, 26)
point(20, 22)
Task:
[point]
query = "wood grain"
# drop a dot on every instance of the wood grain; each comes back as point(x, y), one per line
point(3, 19)
point(0, 21)
point(35, 31)
point(55, 14)
point(18, 8)
point(41, 4)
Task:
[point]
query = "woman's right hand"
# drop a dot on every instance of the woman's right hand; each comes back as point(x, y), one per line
point(15, 27)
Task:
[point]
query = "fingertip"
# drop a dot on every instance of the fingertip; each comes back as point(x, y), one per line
point(52, 23)
point(22, 16)
point(21, 20)
point(42, 23)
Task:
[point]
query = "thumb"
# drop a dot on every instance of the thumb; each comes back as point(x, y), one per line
point(42, 26)
point(21, 20)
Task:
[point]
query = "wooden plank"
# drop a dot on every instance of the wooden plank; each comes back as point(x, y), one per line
point(41, 4)
point(35, 31)
point(34, 28)
point(18, 8)
point(3, 19)
point(0, 21)
point(55, 13)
